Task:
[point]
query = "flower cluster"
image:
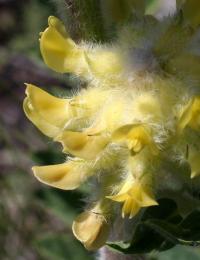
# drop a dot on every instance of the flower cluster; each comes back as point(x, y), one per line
point(141, 108)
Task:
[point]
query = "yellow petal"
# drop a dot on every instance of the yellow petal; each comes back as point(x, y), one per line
point(194, 161)
point(135, 196)
point(59, 51)
point(45, 111)
point(136, 136)
point(91, 229)
point(54, 109)
point(135, 145)
point(135, 192)
point(195, 120)
point(61, 54)
point(191, 11)
point(190, 115)
point(140, 134)
point(101, 238)
point(142, 195)
point(186, 115)
point(148, 200)
point(82, 145)
point(127, 207)
point(41, 124)
point(86, 226)
point(123, 192)
point(134, 209)
point(66, 176)
point(118, 197)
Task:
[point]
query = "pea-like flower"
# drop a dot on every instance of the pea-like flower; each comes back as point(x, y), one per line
point(134, 195)
point(66, 176)
point(139, 111)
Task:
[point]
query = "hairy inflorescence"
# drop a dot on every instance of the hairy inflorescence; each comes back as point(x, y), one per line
point(140, 110)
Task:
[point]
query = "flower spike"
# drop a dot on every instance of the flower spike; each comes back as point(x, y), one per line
point(134, 126)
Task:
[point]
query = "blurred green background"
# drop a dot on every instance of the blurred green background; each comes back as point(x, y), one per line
point(35, 220)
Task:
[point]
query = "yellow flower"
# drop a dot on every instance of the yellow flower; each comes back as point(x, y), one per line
point(135, 136)
point(190, 115)
point(123, 123)
point(61, 54)
point(59, 51)
point(83, 144)
point(47, 112)
point(134, 195)
point(66, 176)
point(91, 229)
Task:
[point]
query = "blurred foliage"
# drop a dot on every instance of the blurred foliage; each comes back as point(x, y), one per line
point(35, 220)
